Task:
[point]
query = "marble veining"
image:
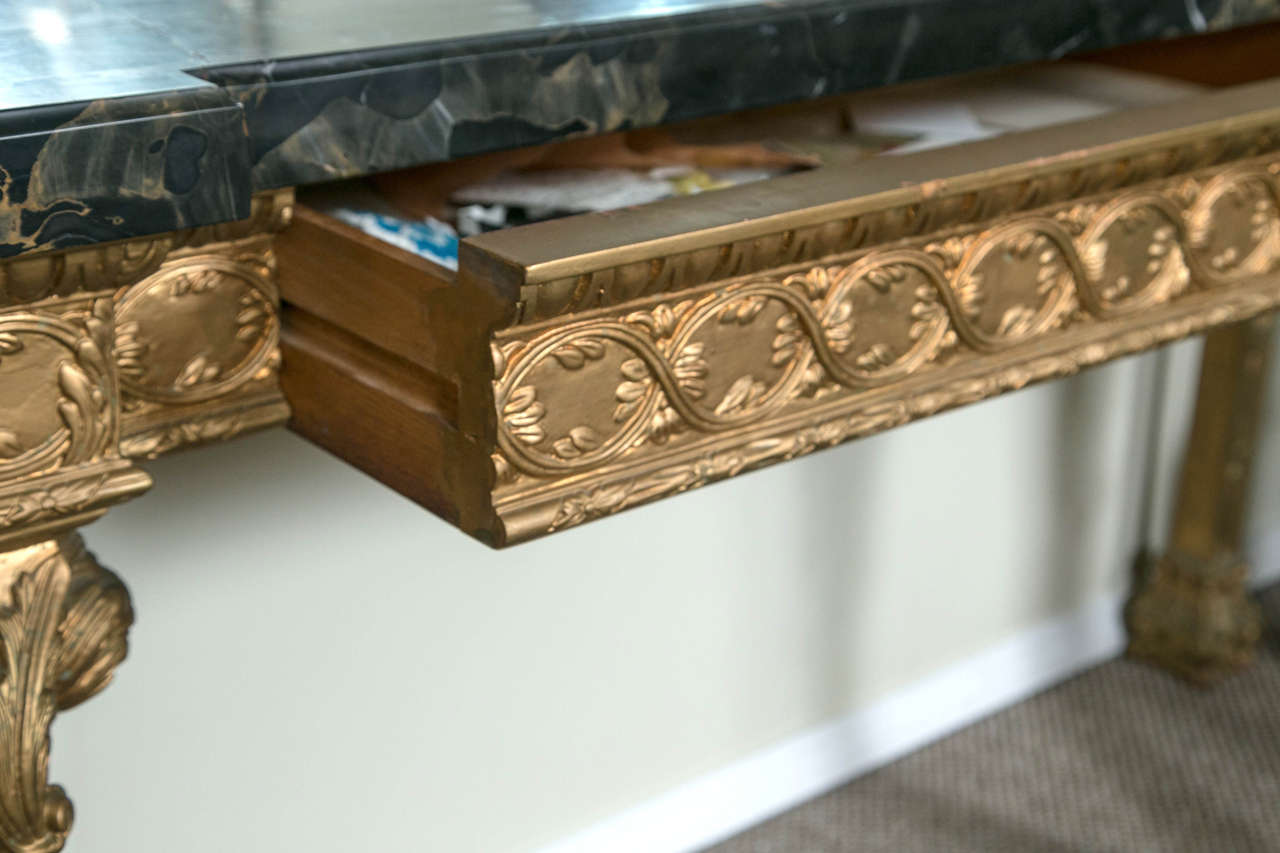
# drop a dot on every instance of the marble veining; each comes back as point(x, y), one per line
point(126, 117)
point(360, 112)
point(124, 167)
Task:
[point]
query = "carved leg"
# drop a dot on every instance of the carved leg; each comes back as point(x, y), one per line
point(108, 352)
point(1191, 613)
point(63, 626)
point(63, 618)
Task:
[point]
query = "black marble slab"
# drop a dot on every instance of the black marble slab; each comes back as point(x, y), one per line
point(125, 117)
point(72, 174)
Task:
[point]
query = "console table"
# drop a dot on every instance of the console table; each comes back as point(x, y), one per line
point(161, 287)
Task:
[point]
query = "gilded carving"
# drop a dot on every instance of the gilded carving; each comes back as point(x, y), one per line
point(62, 618)
point(197, 344)
point(1234, 224)
point(88, 269)
point(59, 418)
point(529, 513)
point(198, 329)
point(145, 345)
point(1237, 194)
point(57, 387)
point(202, 429)
point(758, 368)
point(1155, 267)
point(52, 500)
point(64, 622)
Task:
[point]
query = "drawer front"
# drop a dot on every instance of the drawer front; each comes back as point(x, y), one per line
point(637, 354)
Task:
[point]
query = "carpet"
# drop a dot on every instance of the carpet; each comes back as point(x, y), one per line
point(1120, 758)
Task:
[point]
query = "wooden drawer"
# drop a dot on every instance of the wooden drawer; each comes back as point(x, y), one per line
point(574, 368)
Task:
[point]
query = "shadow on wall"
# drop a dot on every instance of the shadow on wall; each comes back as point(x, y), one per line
point(296, 616)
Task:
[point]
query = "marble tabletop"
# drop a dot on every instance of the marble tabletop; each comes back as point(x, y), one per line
point(125, 117)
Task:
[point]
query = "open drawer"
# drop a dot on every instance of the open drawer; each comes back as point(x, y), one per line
point(578, 367)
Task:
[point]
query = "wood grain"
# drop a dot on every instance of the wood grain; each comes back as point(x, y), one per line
point(386, 416)
point(1216, 59)
point(359, 283)
point(578, 367)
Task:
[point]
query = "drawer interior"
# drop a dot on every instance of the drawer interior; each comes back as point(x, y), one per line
point(393, 341)
point(808, 136)
point(626, 169)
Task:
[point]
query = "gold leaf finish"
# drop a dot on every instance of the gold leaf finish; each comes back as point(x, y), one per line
point(56, 386)
point(63, 626)
point(613, 407)
point(1070, 173)
point(143, 346)
point(1191, 612)
point(197, 344)
point(196, 330)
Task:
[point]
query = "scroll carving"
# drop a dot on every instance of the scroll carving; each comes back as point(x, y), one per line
point(63, 618)
point(622, 405)
point(197, 342)
point(65, 354)
point(59, 418)
point(107, 351)
point(197, 323)
point(63, 627)
point(162, 361)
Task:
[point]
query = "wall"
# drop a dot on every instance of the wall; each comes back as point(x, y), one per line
point(318, 665)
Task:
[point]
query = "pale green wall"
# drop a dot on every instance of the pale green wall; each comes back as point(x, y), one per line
point(318, 665)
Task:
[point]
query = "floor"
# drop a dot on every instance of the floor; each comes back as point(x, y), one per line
point(1120, 758)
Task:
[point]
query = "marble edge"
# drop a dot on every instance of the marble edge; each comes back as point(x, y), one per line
point(331, 117)
point(110, 169)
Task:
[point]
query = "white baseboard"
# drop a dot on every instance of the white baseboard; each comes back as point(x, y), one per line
point(1264, 555)
point(727, 801)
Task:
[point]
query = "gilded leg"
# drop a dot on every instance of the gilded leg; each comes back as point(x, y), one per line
point(1191, 613)
point(63, 626)
point(108, 353)
point(63, 618)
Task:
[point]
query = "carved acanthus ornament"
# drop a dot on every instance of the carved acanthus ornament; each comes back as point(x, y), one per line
point(107, 351)
point(62, 617)
point(197, 336)
point(617, 406)
point(198, 340)
point(64, 621)
point(59, 418)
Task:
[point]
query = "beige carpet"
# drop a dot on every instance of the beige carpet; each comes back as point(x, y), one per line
point(1121, 758)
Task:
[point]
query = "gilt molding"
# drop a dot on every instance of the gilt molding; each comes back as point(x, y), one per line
point(195, 340)
point(108, 352)
point(63, 618)
point(64, 621)
point(669, 265)
point(621, 405)
point(44, 274)
point(197, 348)
point(60, 464)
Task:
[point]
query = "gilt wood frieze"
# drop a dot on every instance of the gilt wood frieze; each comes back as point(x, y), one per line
point(59, 417)
point(197, 341)
point(577, 367)
point(611, 407)
point(107, 352)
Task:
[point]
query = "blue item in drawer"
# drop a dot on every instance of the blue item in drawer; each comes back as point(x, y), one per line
point(429, 238)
